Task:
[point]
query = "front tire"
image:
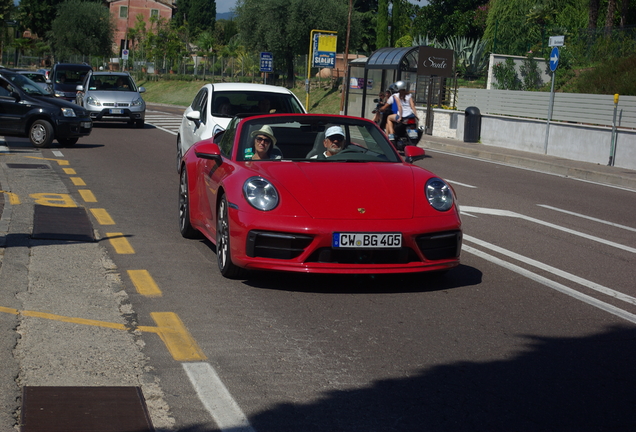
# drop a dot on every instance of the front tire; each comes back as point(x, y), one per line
point(139, 124)
point(185, 226)
point(223, 249)
point(41, 134)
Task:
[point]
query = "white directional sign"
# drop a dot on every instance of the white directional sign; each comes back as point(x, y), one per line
point(556, 41)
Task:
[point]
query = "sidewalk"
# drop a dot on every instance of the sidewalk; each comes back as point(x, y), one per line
point(550, 164)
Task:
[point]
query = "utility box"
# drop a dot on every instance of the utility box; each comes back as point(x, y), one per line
point(472, 125)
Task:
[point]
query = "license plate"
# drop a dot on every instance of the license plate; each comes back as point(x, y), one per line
point(412, 133)
point(116, 111)
point(367, 240)
point(87, 125)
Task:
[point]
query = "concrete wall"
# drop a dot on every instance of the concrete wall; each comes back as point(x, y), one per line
point(569, 141)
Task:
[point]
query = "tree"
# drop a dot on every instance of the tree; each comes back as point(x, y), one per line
point(91, 32)
point(382, 30)
point(445, 18)
point(195, 15)
point(283, 27)
point(36, 15)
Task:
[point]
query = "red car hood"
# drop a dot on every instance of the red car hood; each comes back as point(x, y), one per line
point(348, 190)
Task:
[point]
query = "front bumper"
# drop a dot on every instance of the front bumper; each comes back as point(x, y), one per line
point(118, 114)
point(305, 245)
point(73, 127)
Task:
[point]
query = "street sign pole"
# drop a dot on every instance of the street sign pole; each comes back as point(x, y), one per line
point(554, 63)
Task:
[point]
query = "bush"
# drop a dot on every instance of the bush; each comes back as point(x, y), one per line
point(617, 76)
point(506, 76)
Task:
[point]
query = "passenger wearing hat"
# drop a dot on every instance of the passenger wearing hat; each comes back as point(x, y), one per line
point(334, 142)
point(263, 145)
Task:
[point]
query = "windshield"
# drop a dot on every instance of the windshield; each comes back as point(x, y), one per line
point(313, 139)
point(26, 85)
point(230, 103)
point(112, 83)
point(69, 76)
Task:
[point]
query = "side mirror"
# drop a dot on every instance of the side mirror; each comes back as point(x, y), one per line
point(218, 136)
point(15, 95)
point(413, 153)
point(142, 89)
point(207, 149)
point(194, 116)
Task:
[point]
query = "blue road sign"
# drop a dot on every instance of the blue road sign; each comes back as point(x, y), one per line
point(554, 58)
point(267, 62)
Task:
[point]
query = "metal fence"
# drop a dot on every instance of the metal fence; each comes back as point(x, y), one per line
point(568, 107)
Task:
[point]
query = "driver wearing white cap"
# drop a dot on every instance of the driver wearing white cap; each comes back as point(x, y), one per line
point(334, 142)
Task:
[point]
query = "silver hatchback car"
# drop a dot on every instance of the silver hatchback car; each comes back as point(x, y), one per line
point(112, 96)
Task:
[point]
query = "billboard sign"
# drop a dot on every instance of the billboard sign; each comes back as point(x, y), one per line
point(435, 62)
point(324, 50)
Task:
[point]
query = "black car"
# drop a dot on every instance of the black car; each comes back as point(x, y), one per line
point(28, 111)
point(66, 77)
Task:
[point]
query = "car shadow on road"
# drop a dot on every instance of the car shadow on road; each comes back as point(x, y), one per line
point(460, 276)
point(554, 383)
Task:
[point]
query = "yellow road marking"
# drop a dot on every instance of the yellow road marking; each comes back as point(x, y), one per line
point(69, 171)
point(102, 216)
point(87, 195)
point(77, 181)
point(13, 198)
point(53, 199)
point(144, 283)
point(177, 338)
point(170, 329)
point(59, 161)
point(120, 243)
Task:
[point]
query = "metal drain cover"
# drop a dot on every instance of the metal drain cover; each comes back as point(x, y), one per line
point(27, 166)
point(84, 409)
point(62, 223)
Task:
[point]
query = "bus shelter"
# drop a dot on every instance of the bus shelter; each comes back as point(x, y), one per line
point(418, 66)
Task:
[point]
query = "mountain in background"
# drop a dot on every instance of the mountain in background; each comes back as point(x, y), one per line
point(225, 16)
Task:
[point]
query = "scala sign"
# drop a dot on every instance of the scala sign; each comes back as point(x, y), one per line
point(435, 62)
point(324, 50)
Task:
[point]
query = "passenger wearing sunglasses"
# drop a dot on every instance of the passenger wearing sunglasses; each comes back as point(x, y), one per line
point(263, 146)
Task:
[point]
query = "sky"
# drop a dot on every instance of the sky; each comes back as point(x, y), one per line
point(223, 6)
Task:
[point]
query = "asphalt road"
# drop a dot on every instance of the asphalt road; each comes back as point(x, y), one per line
point(534, 331)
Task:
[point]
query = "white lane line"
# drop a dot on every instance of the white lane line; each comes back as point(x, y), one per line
point(216, 398)
point(57, 153)
point(528, 169)
point(554, 285)
point(163, 129)
point(507, 213)
point(461, 184)
point(588, 217)
point(555, 271)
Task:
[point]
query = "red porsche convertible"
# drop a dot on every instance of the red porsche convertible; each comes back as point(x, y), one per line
point(316, 194)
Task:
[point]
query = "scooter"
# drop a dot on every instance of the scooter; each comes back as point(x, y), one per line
point(407, 132)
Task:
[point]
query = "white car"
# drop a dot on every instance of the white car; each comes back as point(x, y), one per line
point(216, 104)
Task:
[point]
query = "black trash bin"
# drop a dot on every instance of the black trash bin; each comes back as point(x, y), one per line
point(472, 125)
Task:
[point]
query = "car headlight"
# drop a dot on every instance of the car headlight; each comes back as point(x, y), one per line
point(59, 93)
point(260, 193)
point(93, 101)
point(439, 194)
point(137, 102)
point(68, 112)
